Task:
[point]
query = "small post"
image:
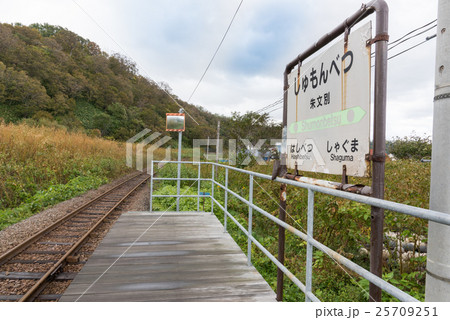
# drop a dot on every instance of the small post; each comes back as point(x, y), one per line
point(344, 175)
point(250, 221)
point(225, 217)
point(212, 188)
point(198, 192)
point(309, 246)
point(179, 170)
point(281, 241)
point(151, 187)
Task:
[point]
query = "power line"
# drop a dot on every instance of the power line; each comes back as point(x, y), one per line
point(402, 39)
point(426, 25)
point(412, 47)
point(217, 50)
point(275, 110)
point(274, 107)
point(269, 106)
point(418, 34)
point(427, 39)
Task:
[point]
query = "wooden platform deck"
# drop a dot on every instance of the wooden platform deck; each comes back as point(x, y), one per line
point(170, 257)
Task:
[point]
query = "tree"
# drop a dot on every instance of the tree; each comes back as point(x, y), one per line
point(46, 30)
point(18, 89)
point(412, 147)
point(252, 126)
point(102, 121)
point(48, 68)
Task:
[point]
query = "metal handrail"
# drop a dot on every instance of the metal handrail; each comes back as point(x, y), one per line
point(431, 215)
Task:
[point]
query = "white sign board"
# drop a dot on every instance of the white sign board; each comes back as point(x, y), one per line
point(328, 117)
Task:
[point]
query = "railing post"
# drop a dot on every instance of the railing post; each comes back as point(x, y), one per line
point(198, 191)
point(151, 187)
point(179, 171)
point(309, 246)
point(226, 201)
point(281, 241)
point(250, 221)
point(379, 147)
point(212, 188)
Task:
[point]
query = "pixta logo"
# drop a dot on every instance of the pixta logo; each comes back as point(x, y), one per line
point(145, 143)
point(139, 149)
point(245, 152)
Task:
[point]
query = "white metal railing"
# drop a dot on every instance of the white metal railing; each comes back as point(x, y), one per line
point(430, 215)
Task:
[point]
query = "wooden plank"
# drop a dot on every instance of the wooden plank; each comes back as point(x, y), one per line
point(170, 257)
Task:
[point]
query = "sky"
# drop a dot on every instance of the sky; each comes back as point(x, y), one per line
point(172, 41)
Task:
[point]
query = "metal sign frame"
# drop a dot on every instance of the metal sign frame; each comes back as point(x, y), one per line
point(329, 108)
point(379, 125)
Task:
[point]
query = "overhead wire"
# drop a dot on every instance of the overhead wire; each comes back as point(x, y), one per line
point(410, 48)
point(404, 38)
point(215, 53)
point(269, 106)
point(273, 110)
point(410, 32)
point(391, 46)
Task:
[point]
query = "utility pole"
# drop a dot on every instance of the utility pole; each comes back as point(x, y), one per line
point(217, 144)
point(437, 287)
point(207, 150)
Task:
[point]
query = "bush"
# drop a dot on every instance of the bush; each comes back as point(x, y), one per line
point(44, 198)
point(412, 147)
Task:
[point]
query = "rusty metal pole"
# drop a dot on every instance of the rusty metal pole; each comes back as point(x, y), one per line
point(281, 241)
point(379, 144)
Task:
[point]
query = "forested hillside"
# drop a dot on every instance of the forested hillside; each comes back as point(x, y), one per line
point(52, 76)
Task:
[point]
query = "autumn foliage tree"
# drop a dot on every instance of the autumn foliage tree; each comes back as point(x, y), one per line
point(49, 70)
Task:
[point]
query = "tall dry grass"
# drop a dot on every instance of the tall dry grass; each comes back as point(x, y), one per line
point(34, 158)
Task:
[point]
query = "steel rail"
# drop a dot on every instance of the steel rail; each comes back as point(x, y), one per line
point(25, 244)
point(29, 294)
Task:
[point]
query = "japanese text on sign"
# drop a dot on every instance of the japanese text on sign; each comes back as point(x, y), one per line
point(328, 116)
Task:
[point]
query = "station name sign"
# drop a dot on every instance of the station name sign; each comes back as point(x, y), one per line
point(328, 116)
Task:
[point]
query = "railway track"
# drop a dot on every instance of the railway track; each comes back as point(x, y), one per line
point(51, 258)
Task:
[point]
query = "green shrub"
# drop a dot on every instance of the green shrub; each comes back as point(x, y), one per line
point(45, 198)
point(412, 147)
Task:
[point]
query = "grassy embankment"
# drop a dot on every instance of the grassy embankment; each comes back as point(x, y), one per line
point(340, 224)
point(42, 166)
